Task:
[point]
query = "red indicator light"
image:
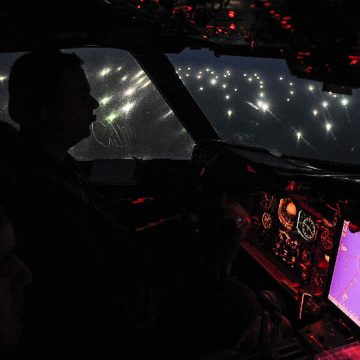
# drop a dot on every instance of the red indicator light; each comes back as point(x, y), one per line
point(354, 60)
point(287, 18)
point(284, 22)
point(272, 12)
point(252, 6)
point(291, 186)
point(231, 14)
point(288, 26)
point(267, 4)
point(142, 200)
point(232, 26)
point(139, 7)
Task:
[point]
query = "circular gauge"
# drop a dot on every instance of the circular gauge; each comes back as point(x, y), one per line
point(267, 201)
point(326, 240)
point(267, 221)
point(287, 213)
point(306, 226)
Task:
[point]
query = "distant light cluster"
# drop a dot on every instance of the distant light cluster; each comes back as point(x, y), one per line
point(268, 97)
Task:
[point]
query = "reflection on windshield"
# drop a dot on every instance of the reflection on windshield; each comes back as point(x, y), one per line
point(133, 119)
point(257, 102)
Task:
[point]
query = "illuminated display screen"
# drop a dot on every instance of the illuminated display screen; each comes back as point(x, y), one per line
point(345, 283)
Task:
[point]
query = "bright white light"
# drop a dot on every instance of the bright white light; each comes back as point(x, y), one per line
point(2, 78)
point(263, 105)
point(250, 79)
point(344, 101)
point(112, 117)
point(315, 112)
point(325, 104)
point(216, 77)
point(229, 112)
point(189, 68)
point(139, 73)
point(130, 91)
point(281, 78)
point(212, 73)
point(291, 92)
point(105, 100)
point(207, 69)
point(142, 79)
point(179, 69)
point(245, 75)
point(224, 76)
point(124, 78)
point(261, 86)
point(146, 84)
point(291, 84)
point(187, 75)
point(255, 75)
point(127, 107)
point(199, 76)
point(200, 72)
point(261, 82)
point(167, 114)
point(224, 86)
point(213, 81)
point(298, 135)
point(104, 71)
point(261, 94)
point(119, 68)
point(201, 88)
point(328, 126)
point(235, 89)
point(311, 88)
point(227, 97)
point(287, 99)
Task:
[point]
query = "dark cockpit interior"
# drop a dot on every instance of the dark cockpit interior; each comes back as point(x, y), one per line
point(226, 140)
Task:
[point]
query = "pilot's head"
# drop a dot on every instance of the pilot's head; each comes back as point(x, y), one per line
point(50, 94)
point(14, 275)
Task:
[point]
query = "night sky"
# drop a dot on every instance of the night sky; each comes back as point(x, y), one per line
point(250, 101)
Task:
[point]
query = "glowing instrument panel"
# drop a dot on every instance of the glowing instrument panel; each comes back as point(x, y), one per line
point(297, 238)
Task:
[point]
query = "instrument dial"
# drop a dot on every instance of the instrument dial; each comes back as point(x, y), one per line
point(306, 226)
point(326, 240)
point(267, 221)
point(287, 213)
